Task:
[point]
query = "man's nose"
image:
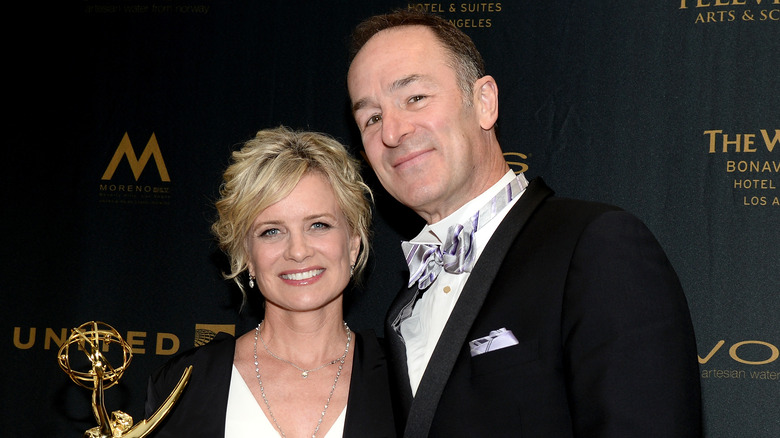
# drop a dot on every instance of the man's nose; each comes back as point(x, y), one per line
point(395, 126)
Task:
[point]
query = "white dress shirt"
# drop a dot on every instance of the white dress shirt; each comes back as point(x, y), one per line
point(421, 330)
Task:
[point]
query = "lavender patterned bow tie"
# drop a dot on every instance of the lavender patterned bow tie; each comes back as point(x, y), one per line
point(456, 254)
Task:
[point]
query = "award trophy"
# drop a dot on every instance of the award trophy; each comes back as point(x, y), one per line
point(94, 339)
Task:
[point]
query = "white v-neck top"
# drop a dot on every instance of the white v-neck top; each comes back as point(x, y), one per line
point(245, 418)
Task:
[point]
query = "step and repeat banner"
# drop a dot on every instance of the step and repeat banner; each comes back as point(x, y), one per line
point(123, 114)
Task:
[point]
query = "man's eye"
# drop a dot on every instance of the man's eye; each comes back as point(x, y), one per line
point(373, 119)
point(415, 99)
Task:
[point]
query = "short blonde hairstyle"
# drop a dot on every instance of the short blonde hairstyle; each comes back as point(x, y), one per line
point(267, 168)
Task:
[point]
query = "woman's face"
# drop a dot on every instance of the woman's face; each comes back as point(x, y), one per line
point(301, 248)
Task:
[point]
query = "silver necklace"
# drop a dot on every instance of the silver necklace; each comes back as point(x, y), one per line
point(332, 389)
point(305, 373)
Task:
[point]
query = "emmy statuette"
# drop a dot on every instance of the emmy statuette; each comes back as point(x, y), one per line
point(94, 339)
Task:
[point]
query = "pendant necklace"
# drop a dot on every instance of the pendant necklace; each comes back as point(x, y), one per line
point(305, 374)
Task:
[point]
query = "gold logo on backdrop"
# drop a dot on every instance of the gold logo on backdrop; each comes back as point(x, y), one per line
point(463, 14)
point(129, 191)
point(753, 353)
point(740, 142)
point(204, 333)
point(517, 166)
point(125, 149)
point(139, 342)
point(720, 11)
point(755, 177)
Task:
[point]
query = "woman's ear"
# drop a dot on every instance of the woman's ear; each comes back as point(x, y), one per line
point(250, 269)
point(354, 249)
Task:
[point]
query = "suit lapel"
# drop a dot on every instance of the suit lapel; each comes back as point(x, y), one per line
point(453, 337)
point(397, 348)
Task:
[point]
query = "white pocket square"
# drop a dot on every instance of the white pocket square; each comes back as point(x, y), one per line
point(496, 340)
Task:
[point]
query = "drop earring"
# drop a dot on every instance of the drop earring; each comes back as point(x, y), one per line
point(351, 270)
point(251, 281)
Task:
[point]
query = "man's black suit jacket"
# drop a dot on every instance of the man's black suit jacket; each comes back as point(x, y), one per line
point(606, 345)
point(200, 412)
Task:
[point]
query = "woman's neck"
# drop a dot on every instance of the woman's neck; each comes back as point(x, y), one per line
point(304, 339)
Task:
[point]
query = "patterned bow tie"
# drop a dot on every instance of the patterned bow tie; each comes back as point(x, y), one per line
point(456, 254)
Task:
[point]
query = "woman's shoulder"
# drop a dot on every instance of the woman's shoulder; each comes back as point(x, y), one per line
point(369, 411)
point(370, 353)
point(211, 367)
point(368, 341)
point(218, 351)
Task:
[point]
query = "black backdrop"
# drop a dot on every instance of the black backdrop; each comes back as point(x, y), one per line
point(668, 109)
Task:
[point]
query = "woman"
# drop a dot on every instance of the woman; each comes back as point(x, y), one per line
point(294, 215)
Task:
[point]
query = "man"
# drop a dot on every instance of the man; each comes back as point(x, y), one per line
point(541, 316)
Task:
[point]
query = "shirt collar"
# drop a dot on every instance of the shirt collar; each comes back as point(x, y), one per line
point(434, 233)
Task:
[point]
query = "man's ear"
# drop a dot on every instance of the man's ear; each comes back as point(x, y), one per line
point(486, 101)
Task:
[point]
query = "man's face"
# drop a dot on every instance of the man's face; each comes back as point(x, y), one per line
point(422, 141)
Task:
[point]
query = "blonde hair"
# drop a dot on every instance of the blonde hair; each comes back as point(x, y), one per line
point(267, 168)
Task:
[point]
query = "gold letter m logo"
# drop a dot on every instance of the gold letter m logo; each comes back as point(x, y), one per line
point(137, 165)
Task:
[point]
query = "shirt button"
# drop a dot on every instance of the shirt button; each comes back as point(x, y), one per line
point(447, 289)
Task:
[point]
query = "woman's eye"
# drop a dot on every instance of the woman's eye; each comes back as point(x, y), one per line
point(269, 232)
point(320, 226)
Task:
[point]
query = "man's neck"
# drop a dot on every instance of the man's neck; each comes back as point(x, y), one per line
point(444, 209)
